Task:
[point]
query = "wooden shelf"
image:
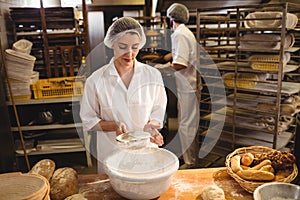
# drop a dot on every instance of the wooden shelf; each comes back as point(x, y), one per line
point(45, 101)
point(47, 127)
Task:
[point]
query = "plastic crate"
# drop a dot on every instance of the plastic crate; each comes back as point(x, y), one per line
point(58, 87)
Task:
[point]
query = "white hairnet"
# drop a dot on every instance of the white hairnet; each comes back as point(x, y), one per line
point(122, 26)
point(178, 12)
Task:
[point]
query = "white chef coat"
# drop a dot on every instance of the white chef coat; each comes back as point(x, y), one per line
point(107, 98)
point(184, 52)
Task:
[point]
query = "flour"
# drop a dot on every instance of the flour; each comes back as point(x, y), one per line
point(235, 194)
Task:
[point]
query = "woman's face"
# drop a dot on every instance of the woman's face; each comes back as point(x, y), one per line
point(126, 49)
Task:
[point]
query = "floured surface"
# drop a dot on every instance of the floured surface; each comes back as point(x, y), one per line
point(185, 185)
point(188, 184)
point(231, 188)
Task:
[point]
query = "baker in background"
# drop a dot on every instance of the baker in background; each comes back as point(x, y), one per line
point(184, 61)
point(124, 95)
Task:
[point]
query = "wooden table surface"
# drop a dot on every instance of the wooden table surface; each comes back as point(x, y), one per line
point(185, 185)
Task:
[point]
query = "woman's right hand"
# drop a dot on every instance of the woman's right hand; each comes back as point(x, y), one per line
point(121, 128)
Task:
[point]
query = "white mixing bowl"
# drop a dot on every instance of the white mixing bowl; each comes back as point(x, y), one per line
point(143, 174)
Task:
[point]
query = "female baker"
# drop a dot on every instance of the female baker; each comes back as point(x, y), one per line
point(124, 95)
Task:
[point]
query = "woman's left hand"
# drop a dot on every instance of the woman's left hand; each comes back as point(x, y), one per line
point(156, 137)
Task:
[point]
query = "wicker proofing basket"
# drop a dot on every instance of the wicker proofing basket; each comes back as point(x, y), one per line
point(250, 186)
point(243, 80)
point(267, 62)
point(24, 186)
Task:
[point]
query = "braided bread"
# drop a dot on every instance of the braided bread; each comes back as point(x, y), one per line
point(280, 160)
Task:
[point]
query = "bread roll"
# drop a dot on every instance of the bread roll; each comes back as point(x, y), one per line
point(247, 159)
point(256, 175)
point(44, 168)
point(212, 192)
point(267, 168)
point(261, 164)
point(63, 183)
point(235, 163)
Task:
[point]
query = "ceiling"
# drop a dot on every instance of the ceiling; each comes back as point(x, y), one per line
point(192, 4)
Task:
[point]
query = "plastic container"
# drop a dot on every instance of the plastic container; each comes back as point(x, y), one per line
point(57, 87)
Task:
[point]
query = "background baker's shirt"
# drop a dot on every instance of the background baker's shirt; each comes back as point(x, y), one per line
point(184, 52)
point(107, 98)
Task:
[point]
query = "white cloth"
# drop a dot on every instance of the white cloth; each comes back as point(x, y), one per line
point(258, 20)
point(106, 98)
point(266, 41)
point(184, 52)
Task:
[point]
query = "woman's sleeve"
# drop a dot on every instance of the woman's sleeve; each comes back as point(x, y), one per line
point(90, 108)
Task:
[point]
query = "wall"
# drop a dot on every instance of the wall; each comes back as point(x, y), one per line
point(7, 161)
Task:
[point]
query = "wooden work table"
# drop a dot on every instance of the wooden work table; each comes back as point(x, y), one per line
point(186, 185)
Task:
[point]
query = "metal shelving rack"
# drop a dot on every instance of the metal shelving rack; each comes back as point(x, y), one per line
point(219, 32)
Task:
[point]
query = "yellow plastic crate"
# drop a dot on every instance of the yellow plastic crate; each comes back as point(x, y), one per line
point(57, 87)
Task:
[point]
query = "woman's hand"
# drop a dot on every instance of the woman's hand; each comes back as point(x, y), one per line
point(121, 128)
point(156, 137)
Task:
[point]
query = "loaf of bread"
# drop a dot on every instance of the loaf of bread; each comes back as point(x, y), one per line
point(63, 183)
point(267, 168)
point(44, 168)
point(236, 163)
point(261, 164)
point(247, 159)
point(256, 175)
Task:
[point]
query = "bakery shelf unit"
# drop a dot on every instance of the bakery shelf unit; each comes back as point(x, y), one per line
point(42, 136)
point(58, 37)
point(249, 49)
point(156, 38)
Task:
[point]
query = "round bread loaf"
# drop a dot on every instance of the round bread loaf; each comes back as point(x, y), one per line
point(63, 183)
point(247, 159)
point(44, 168)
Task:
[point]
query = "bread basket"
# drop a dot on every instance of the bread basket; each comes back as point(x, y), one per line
point(250, 186)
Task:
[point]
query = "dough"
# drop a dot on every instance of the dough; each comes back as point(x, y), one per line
point(76, 197)
point(212, 192)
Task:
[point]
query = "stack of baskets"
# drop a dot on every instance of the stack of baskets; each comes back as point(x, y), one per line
point(24, 186)
point(250, 186)
point(19, 67)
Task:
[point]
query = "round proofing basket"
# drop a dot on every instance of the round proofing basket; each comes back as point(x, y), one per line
point(24, 186)
point(250, 186)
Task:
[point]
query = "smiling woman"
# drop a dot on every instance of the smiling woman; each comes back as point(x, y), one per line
point(124, 95)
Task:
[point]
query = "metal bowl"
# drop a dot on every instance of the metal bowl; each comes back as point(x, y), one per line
point(277, 191)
